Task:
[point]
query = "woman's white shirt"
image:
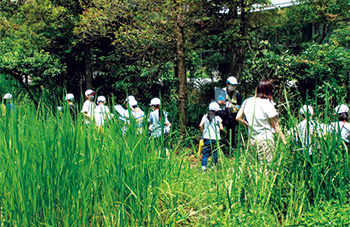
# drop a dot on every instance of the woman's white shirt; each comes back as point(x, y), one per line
point(258, 113)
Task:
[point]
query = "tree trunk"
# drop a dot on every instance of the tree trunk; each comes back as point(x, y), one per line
point(238, 51)
point(18, 76)
point(181, 72)
point(88, 69)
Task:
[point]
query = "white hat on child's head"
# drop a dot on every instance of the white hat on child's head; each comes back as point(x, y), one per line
point(341, 109)
point(101, 99)
point(155, 101)
point(7, 96)
point(214, 106)
point(70, 97)
point(89, 92)
point(306, 110)
point(129, 98)
point(132, 102)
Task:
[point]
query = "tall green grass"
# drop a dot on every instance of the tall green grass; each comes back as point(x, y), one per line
point(56, 172)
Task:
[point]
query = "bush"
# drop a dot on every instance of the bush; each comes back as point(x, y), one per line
point(321, 72)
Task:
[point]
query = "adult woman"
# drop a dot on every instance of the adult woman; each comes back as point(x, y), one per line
point(261, 119)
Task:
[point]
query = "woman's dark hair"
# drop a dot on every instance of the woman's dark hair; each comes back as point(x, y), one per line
point(343, 117)
point(264, 89)
point(210, 115)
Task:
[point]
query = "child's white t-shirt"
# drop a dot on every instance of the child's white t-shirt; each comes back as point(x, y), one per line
point(211, 128)
point(156, 124)
point(101, 114)
point(138, 116)
point(305, 131)
point(88, 108)
point(258, 113)
point(343, 127)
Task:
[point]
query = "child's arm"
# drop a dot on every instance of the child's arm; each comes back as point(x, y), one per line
point(221, 127)
point(84, 111)
point(201, 127)
point(166, 122)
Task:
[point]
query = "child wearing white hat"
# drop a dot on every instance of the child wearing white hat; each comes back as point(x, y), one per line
point(72, 108)
point(307, 129)
point(210, 127)
point(342, 126)
point(102, 113)
point(137, 114)
point(89, 106)
point(155, 118)
point(7, 104)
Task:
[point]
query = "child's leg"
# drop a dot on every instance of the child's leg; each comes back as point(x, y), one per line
point(206, 153)
point(215, 152)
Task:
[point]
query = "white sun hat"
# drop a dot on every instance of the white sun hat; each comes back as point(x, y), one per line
point(306, 110)
point(7, 96)
point(232, 80)
point(130, 97)
point(101, 99)
point(214, 106)
point(155, 101)
point(132, 102)
point(341, 109)
point(69, 97)
point(89, 92)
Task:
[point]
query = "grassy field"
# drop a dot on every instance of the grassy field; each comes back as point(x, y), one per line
point(55, 173)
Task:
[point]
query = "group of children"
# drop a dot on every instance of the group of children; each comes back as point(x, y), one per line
point(100, 113)
point(308, 129)
point(255, 114)
point(259, 115)
point(159, 123)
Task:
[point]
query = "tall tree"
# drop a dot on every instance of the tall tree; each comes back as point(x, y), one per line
point(143, 27)
point(226, 28)
point(25, 41)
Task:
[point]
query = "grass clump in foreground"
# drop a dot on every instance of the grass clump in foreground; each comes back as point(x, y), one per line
point(60, 174)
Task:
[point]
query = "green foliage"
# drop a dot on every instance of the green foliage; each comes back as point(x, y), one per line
point(326, 214)
point(341, 35)
point(326, 66)
point(40, 66)
point(309, 20)
point(318, 69)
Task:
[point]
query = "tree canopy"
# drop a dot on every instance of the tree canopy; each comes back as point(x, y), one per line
point(150, 48)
